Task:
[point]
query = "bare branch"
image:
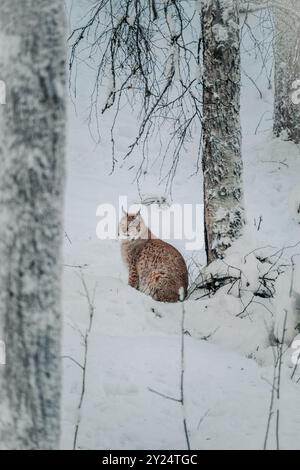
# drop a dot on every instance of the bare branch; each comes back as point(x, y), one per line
point(146, 53)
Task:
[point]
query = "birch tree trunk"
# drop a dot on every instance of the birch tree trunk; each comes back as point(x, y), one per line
point(287, 69)
point(32, 145)
point(222, 161)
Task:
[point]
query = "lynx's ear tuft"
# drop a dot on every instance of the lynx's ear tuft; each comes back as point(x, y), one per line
point(124, 212)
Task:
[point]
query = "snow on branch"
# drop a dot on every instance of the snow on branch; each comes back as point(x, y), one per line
point(252, 279)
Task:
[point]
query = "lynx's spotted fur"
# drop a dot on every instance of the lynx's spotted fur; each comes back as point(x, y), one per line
point(155, 267)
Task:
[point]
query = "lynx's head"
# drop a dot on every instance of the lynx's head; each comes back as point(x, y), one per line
point(132, 227)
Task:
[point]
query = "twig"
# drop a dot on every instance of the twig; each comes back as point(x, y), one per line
point(178, 400)
point(279, 379)
point(276, 389)
point(202, 418)
point(259, 122)
point(254, 83)
point(182, 395)
point(68, 238)
point(205, 338)
point(77, 266)
point(73, 360)
point(91, 309)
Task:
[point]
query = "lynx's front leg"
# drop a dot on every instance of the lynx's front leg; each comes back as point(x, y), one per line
point(133, 279)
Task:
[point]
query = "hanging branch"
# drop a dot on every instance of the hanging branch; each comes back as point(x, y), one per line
point(147, 53)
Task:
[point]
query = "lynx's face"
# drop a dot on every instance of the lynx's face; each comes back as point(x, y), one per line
point(131, 227)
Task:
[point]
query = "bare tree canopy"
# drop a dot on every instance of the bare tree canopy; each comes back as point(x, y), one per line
point(149, 52)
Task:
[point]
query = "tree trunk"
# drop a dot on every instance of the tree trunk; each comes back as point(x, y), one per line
point(32, 146)
point(222, 161)
point(287, 69)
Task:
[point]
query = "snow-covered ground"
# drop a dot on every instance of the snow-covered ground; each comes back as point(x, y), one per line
point(134, 354)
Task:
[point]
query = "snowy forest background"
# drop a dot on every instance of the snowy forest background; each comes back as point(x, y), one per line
point(219, 370)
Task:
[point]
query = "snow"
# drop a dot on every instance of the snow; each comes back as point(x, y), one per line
point(221, 33)
point(294, 204)
point(134, 347)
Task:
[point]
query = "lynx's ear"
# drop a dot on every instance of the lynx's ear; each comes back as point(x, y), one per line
point(124, 212)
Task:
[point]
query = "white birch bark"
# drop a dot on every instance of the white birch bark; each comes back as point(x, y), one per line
point(222, 161)
point(32, 144)
point(287, 68)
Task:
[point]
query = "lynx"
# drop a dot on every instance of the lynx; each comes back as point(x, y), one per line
point(155, 267)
